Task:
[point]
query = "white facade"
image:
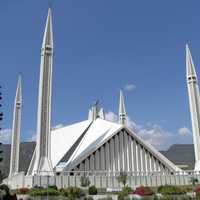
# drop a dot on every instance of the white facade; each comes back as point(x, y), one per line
point(41, 161)
point(16, 130)
point(193, 93)
point(94, 145)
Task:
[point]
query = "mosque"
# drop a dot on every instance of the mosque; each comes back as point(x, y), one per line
point(94, 145)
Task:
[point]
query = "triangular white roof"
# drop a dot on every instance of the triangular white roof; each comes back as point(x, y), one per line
point(90, 136)
point(99, 132)
point(63, 138)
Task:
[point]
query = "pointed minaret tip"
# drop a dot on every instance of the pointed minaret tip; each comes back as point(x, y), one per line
point(190, 68)
point(48, 33)
point(19, 89)
point(122, 110)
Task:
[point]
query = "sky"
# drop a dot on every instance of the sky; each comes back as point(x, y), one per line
point(99, 48)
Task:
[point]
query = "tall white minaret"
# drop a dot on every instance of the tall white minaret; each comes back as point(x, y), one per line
point(193, 92)
point(41, 161)
point(16, 128)
point(122, 110)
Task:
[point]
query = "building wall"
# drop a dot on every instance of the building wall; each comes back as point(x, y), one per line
point(122, 153)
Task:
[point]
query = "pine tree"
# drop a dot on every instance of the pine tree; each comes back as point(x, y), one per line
point(1, 152)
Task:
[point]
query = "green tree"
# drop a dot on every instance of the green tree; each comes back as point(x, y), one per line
point(1, 159)
point(194, 181)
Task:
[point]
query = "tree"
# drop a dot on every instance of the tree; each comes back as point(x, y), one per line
point(85, 181)
point(193, 181)
point(1, 158)
point(122, 178)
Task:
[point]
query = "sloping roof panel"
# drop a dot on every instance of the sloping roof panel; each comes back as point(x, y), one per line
point(63, 138)
point(96, 135)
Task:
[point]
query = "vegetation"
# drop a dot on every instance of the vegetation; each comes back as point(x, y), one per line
point(88, 198)
point(5, 192)
point(85, 181)
point(194, 181)
point(122, 178)
point(123, 195)
point(23, 191)
point(73, 193)
point(43, 192)
point(1, 158)
point(92, 190)
point(143, 191)
point(171, 190)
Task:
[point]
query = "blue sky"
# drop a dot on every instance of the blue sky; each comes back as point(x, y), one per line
point(100, 47)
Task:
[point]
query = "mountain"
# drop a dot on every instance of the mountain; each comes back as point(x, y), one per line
point(179, 154)
point(26, 152)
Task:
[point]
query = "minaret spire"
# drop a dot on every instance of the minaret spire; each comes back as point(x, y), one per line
point(193, 93)
point(122, 110)
point(16, 128)
point(42, 162)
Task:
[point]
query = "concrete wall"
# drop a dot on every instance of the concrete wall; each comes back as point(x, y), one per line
point(100, 180)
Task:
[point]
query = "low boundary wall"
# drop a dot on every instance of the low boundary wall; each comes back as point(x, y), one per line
point(101, 179)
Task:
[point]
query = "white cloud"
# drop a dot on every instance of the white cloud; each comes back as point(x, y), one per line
point(110, 116)
point(5, 136)
point(130, 87)
point(32, 138)
point(184, 131)
point(155, 134)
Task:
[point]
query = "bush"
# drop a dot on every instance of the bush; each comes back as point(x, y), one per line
point(88, 198)
point(170, 189)
point(53, 187)
point(85, 181)
point(124, 193)
point(92, 190)
point(127, 190)
point(43, 192)
point(5, 188)
point(73, 193)
point(23, 190)
point(143, 191)
point(122, 196)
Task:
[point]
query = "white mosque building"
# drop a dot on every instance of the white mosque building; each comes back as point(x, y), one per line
point(93, 146)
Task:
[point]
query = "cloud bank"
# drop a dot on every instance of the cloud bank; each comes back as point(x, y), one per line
point(155, 134)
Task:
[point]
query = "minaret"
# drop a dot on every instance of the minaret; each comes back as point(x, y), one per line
point(42, 161)
point(122, 110)
point(193, 92)
point(101, 113)
point(16, 128)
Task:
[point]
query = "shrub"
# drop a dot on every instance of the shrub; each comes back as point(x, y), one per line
point(122, 196)
point(92, 190)
point(53, 187)
point(73, 193)
point(85, 181)
point(143, 191)
point(23, 190)
point(5, 188)
point(127, 190)
point(88, 198)
point(43, 192)
point(170, 189)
